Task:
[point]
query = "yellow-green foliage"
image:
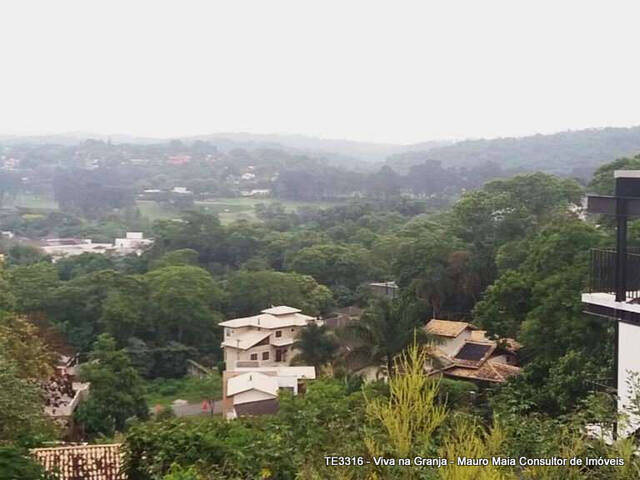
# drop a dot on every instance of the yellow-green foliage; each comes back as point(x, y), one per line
point(20, 342)
point(411, 414)
point(469, 439)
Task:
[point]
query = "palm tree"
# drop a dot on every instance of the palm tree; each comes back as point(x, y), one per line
point(315, 346)
point(383, 331)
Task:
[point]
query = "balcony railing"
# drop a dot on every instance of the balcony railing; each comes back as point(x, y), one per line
point(603, 272)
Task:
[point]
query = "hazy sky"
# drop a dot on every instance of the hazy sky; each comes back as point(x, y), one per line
point(393, 71)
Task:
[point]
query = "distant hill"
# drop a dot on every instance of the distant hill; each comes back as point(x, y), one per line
point(337, 151)
point(574, 153)
point(364, 151)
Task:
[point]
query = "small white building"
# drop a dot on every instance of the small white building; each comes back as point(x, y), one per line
point(134, 242)
point(254, 391)
point(59, 248)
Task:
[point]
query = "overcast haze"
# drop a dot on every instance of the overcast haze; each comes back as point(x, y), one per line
point(392, 71)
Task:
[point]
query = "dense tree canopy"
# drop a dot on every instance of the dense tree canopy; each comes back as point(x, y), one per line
point(116, 390)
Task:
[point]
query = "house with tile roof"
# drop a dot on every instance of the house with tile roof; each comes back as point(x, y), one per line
point(463, 351)
point(86, 462)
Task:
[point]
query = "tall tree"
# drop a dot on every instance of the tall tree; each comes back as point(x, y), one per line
point(384, 330)
point(22, 418)
point(20, 341)
point(182, 303)
point(250, 292)
point(315, 346)
point(117, 392)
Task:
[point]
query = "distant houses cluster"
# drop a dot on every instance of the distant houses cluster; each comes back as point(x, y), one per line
point(132, 243)
point(63, 392)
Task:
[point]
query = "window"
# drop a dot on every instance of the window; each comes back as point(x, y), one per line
point(293, 329)
point(278, 333)
point(265, 355)
point(254, 356)
point(228, 332)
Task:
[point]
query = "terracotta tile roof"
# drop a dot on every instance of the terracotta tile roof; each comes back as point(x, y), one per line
point(489, 372)
point(446, 328)
point(86, 462)
point(479, 335)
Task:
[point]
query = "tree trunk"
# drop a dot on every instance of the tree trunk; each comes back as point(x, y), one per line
point(390, 365)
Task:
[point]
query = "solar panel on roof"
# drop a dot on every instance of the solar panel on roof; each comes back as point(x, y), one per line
point(473, 352)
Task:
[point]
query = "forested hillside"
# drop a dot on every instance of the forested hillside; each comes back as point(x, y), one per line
point(572, 153)
point(511, 256)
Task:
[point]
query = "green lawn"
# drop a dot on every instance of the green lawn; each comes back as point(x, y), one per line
point(163, 391)
point(154, 211)
point(32, 201)
point(228, 209)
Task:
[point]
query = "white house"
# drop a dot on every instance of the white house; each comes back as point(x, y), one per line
point(257, 353)
point(265, 339)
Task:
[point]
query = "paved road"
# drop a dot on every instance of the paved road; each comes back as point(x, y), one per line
point(194, 409)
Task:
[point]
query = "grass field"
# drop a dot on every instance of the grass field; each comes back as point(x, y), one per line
point(31, 201)
point(228, 209)
point(163, 391)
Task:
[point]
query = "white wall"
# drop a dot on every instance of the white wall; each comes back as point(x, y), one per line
point(628, 361)
point(450, 346)
point(288, 382)
point(251, 396)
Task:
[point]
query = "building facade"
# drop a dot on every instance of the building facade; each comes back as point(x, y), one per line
point(257, 354)
point(265, 339)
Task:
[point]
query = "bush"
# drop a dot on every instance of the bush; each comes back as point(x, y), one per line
point(17, 464)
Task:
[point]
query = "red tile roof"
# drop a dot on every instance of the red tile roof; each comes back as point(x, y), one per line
point(86, 462)
point(489, 371)
point(446, 328)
